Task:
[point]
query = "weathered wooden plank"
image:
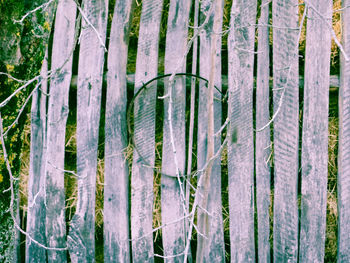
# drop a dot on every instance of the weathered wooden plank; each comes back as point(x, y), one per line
point(81, 238)
point(286, 130)
point(174, 133)
point(344, 146)
point(63, 44)
point(314, 155)
point(36, 214)
point(240, 144)
point(142, 176)
point(214, 246)
point(263, 141)
point(116, 177)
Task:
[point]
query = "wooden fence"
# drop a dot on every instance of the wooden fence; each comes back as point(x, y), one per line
point(195, 133)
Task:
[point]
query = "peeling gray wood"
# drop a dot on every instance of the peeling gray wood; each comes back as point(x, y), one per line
point(314, 155)
point(142, 177)
point(36, 214)
point(214, 247)
point(172, 188)
point(344, 146)
point(116, 177)
point(56, 126)
point(240, 144)
point(263, 141)
point(286, 130)
point(81, 239)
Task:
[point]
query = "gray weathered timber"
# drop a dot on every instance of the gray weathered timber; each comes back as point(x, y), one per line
point(116, 178)
point(142, 176)
point(56, 126)
point(263, 141)
point(174, 133)
point(240, 143)
point(286, 130)
point(314, 155)
point(214, 250)
point(344, 146)
point(81, 238)
point(36, 214)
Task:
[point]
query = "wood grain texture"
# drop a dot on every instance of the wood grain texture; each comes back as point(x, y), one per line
point(172, 188)
point(344, 146)
point(36, 213)
point(81, 238)
point(142, 176)
point(214, 248)
point(63, 44)
point(116, 178)
point(285, 130)
point(240, 144)
point(314, 156)
point(263, 141)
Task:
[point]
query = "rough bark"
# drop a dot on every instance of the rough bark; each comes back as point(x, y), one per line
point(36, 214)
point(81, 239)
point(314, 155)
point(286, 130)
point(263, 141)
point(116, 190)
point(240, 143)
point(344, 146)
point(142, 176)
point(173, 162)
point(214, 247)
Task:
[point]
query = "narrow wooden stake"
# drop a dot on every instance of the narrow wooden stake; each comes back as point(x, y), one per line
point(344, 146)
point(81, 238)
point(314, 155)
point(240, 145)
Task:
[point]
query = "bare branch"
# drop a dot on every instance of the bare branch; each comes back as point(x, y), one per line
point(43, 6)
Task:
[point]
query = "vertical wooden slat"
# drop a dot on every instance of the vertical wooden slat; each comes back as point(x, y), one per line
point(344, 145)
point(116, 190)
point(172, 193)
point(81, 239)
point(286, 129)
point(240, 144)
point(314, 159)
point(63, 44)
point(36, 215)
point(142, 176)
point(215, 247)
point(263, 141)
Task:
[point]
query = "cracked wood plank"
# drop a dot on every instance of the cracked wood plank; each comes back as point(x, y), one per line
point(81, 238)
point(285, 130)
point(144, 128)
point(116, 177)
point(214, 246)
point(263, 141)
point(314, 155)
point(172, 188)
point(63, 44)
point(240, 144)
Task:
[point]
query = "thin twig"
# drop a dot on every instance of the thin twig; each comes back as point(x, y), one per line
point(43, 6)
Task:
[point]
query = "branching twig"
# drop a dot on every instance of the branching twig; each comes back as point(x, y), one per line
point(43, 6)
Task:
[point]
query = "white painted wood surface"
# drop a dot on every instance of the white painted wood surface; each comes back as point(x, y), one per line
point(174, 133)
point(314, 155)
point(285, 130)
point(142, 176)
point(81, 238)
point(63, 44)
point(240, 145)
point(116, 177)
